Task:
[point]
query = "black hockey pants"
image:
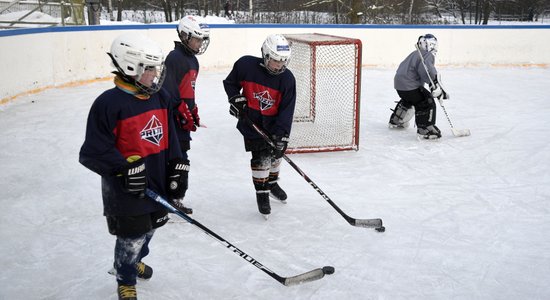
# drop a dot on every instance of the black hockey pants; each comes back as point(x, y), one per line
point(424, 105)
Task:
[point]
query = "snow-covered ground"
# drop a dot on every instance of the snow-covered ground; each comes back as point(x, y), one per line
point(466, 218)
point(129, 18)
point(157, 17)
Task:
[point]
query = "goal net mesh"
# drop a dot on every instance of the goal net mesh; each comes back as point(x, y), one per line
point(328, 73)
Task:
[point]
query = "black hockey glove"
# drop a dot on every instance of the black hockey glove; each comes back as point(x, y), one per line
point(237, 106)
point(281, 142)
point(135, 177)
point(178, 174)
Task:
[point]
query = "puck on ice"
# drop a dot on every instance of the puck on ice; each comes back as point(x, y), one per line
point(328, 270)
point(381, 229)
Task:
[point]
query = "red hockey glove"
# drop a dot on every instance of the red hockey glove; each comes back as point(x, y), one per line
point(185, 117)
point(196, 118)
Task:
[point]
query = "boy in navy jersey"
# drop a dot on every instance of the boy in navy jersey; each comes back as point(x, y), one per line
point(131, 143)
point(263, 91)
point(182, 69)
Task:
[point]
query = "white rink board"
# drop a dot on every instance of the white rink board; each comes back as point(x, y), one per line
point(53, 57)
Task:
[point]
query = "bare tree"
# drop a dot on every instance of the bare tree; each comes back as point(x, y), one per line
point(119, 10)
point(346, 11)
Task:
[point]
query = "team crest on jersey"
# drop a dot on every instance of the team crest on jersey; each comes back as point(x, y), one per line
point(265, 100)
point(153, 132)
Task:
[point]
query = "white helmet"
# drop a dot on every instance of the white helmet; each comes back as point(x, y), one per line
point(189, 27)
point(132, 53)
point(277, 48)
point(428, 43)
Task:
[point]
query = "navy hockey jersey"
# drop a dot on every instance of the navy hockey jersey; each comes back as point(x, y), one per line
point(120, 125)
point(182, 69)
point(270, 98)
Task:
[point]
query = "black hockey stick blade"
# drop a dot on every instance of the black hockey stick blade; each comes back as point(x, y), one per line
point(287, 281)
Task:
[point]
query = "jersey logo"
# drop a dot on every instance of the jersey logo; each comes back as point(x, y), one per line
point(265, 100)
point(152, 132)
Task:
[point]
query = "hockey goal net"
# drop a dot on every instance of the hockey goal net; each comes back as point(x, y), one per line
point(328, 80)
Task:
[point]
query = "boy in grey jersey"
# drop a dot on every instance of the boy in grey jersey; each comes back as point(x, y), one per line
point(409, 80)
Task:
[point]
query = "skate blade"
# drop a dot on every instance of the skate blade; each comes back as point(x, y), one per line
point(397, 127)
point(112, 271)
point(392, 126)
point(277, 199)
point(266, 216)
point(422, 137)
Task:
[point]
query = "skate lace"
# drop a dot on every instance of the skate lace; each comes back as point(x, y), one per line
point(127, 291)
point(140, 268)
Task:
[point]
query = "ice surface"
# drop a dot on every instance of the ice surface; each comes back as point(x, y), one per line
point(466, 218)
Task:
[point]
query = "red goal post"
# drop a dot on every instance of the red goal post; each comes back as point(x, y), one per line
point(328, 85)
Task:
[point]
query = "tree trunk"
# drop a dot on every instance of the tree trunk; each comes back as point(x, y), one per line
point(336, 12)
point(410, 11)
point(355, 11)
point(486, 12)
point(251, 7)
point(110, 10)
point(119, 11)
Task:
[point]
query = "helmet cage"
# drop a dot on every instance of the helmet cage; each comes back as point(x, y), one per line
point(157, 81)
point(428, 43)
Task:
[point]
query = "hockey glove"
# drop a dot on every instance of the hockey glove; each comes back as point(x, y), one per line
point(135, 177)
point(178, 174)
point(281, 143)
point(436, 90)
point(237, 106)
point(185, 117)
point(445, 95)
point(196, 118)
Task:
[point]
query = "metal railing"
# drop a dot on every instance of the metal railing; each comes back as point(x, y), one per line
point(69, 13)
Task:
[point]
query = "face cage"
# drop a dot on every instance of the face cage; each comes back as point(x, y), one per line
point(185, 38)
point(274, 72)
point(204, 46)
point(157, 82)
point(432, 47)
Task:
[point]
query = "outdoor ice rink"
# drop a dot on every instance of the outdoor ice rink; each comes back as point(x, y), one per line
point(466, 218)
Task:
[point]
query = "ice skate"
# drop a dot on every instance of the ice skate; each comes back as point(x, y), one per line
point(127, 292)
point(144, 271)
point(429, 133)
point(393, 125)
point(277, 193)
point(262, 198)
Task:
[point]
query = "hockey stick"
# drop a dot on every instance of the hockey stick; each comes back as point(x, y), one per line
point(367, 223)
point(287, 281)
point(456, 132)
